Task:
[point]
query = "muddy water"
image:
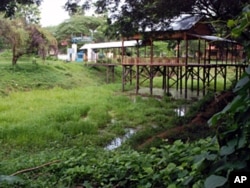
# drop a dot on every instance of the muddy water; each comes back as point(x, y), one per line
point(191, 95)
point(180, 111)
point(118, 141)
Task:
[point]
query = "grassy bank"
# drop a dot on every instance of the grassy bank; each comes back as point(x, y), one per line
point(50, 107)
point(56, 118)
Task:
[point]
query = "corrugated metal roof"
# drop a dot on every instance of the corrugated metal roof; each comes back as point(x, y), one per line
point(213, 38)
point(117, 44)
point(184, 22)
point(178, 23)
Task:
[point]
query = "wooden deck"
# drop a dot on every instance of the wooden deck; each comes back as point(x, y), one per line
point(179, 74)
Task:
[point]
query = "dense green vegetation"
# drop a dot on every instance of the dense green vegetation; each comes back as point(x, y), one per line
point(56, 107)
point(56, 119)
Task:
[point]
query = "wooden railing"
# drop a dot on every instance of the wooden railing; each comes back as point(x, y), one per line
point(155, 60)
point(176, 61)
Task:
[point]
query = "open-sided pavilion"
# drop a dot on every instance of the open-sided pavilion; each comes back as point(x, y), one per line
point(211, 59)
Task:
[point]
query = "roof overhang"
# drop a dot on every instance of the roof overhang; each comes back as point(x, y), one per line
point(213, 38)
point(116, 44)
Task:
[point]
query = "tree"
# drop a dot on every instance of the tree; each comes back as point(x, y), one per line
point(220, 10)
point(73, 7)
point(233, 121)
point(29, 13)
point(9, 6)
point(240, 28)
point(15, 35)
point(25, 39)
point(129, 16)
point(41, 41)
point(78, 25)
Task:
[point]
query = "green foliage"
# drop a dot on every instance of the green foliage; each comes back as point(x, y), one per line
point(14, 33)
point(78, 26)
point(13, 181)
point(241, 29)
point(24, 38)
point(233, 121)
point(30, 13)
point(168, 166)
point(233, 133)
point(9, 7)
point(46, 109)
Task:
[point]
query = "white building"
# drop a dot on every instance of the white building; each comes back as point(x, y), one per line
point(92, 56)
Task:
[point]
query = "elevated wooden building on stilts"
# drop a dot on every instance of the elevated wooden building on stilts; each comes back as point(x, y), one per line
point(194, 68)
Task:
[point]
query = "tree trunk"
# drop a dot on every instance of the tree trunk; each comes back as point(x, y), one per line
point(14, 60)
point(14, 57)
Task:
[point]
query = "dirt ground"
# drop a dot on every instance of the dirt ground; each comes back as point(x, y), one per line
point(197, 126)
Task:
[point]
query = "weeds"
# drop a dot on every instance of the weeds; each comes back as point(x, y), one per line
point(48, 109)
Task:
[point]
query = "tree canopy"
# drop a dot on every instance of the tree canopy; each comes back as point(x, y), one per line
point(9, 6)
point(128, 16)
point(80, 25)
point(26, 38)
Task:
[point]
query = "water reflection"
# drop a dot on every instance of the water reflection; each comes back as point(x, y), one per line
point(181, 111)
point(117, 142)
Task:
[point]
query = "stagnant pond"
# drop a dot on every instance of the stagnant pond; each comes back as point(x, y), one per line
point(180, 112)
point(118, 141)
point(174, 93)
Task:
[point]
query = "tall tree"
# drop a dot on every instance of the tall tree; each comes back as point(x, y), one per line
point(9, 6)
point(220, 10)
point(14, 34)
point(240, 29)
point(25, 39)
point(29, 13)
point(78, 25)
point(127, 16)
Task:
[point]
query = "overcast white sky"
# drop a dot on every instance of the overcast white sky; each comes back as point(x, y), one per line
point(52, 12)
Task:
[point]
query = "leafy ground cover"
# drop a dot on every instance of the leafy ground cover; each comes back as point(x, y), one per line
point(49, 107)
point(56, 118)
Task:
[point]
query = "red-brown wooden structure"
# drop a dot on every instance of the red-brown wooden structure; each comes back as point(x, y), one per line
point(217, 57)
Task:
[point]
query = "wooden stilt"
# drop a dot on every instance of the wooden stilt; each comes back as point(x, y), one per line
point(225, 79)
point(215, 78)
point(198, 81)
point(151, 77)
point(164, 82)
point(137, 79)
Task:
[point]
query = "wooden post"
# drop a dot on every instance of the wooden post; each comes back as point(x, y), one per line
point(215, 77)
point(151, 51)
point(225, 78)
point(204, 70)
point(164, 83)
point(151, 77)
point(123, 77)
point(198, 68)
point(137, 87)
point(131, 74)
point(178, 50)
point(123, 67)
point(186, 65)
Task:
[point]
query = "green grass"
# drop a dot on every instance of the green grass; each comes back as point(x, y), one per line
point(60, 105)
point(54, 110)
